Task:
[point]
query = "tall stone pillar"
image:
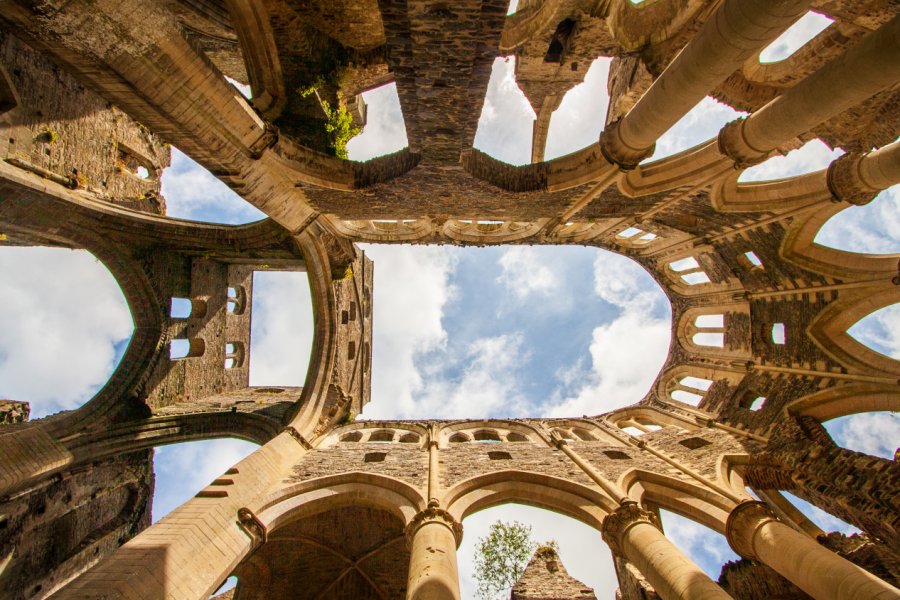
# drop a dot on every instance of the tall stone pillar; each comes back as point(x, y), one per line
point(433, 536)
point(631, 532)
point(755, 532)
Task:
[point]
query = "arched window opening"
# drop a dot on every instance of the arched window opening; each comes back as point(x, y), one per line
point(689, 271)
point(183, 470)
point(873, 433)
point(879, 331)
point(706, 547)
point(560, 41)
point(382, 436)
point(581, 549)
point(691, 390)
point(712, 330)
point(236, 299)
point(632, 430)
point(353, 436)
point(458, 438)
point(778, 334)
point(129, 161)
point(795, 37)
point(583, 435)
point(385, 129)
point(281, 330)
point(635, 237)
point(581, 116)
point(62, 311)
point(234, 355)
point(512, 436)
point(486, 436)
point(409, 438)
point(183, 348)
point(181, 308)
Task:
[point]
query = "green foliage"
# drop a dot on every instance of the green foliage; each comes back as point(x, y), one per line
point(340, 127)
point(501, 558)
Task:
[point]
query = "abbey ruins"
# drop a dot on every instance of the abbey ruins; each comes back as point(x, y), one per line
point(93, 92)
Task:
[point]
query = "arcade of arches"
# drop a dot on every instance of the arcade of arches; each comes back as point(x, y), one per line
point(91, 96)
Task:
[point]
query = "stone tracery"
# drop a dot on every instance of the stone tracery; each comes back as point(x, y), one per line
point(696, 227)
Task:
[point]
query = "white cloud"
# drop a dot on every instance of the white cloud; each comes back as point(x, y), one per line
point(874, 433)
point(182, 470)
point(504, 128)
point(192, 192)
point(873, 228)
point(411, 289)
point(700, 124)
point(525, 271)
point(583, 552)
point(707, 548)
point(628, 351)
point(578, 121)
point(880, 331)
point(63, 315)
point(812, 156)
point(385, 131)
point(281, 328)
point(824, 520)
point(798, 34)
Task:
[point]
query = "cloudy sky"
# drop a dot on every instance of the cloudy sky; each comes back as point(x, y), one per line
point(476, 332)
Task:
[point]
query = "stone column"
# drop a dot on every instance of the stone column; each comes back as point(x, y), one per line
point(868, 67)
point(735, 32)
point(433, 536)
point(631, 532)
point(754, 532)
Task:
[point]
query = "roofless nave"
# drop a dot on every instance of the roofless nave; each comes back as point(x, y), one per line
point(93, 91)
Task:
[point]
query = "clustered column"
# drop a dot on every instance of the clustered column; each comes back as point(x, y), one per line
point(632, 532)
point(755, 532)
point(433, 536)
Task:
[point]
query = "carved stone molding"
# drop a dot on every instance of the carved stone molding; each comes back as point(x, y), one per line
point(298, 436)
point(616, 151)
point(845, 182)
point(252, 526)
point(434, 514)
point(618, 522)
point(733, 144)
point(743, 523)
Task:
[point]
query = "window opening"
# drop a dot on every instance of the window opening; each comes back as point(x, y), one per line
point(753, 259)
point(778, 333)
point(805, 29)
point(181, 348)
point(181, 308)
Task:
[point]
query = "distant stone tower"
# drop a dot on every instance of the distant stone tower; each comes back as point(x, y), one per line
point(92, 94)
point(545, 578)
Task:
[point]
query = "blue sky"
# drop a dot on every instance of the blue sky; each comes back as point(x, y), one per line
point(499, 331)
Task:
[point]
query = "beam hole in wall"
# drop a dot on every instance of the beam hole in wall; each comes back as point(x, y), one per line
point(374, 457)
point(694, 443)
point(616, 455)
point(499, 456)
point(61, 335)
point(281, 328)
point(752, 260)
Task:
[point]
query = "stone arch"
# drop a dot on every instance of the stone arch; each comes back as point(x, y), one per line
point(384, 231)
point(464, 431)
point(363, 431)
point(735, 330)
point(551, 493)
point(829, 331)
point(846, 400)
point(310, 497)
point(674, 380)
point(699, 504)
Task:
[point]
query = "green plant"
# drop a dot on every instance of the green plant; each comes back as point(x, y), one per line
point(501, 558)
point(340, 127)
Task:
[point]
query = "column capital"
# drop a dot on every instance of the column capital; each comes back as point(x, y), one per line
point(617, 152)
point(734, 145)
point(621, 520)
point(743, 522)
point(434, 514)
point(845, 181)
point(252, 526)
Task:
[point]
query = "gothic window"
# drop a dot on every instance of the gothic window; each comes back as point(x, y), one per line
point(710, 330)
point(689, 271)
point(182, 348)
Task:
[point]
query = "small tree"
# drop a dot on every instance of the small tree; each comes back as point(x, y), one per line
point(501, 558)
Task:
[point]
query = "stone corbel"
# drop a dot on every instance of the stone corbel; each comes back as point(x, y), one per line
point(734, 145)
point(252, 526)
